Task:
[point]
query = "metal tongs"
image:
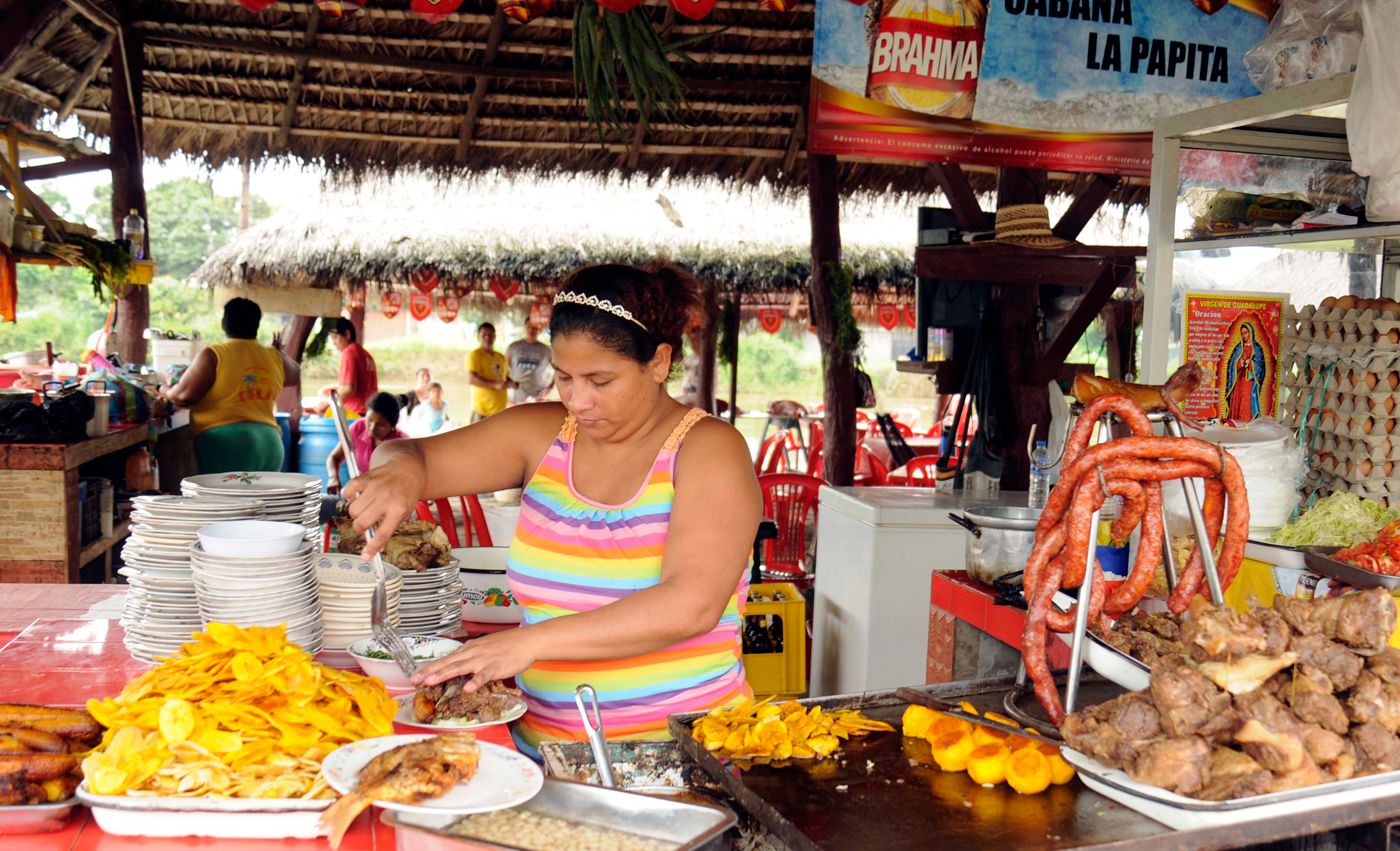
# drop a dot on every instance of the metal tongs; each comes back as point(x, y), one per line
point(378, 608)
point(596, 739)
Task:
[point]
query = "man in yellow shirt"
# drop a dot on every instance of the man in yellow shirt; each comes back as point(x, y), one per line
point(487, 370)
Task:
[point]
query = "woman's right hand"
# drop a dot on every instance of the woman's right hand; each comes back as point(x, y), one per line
point(382, 497)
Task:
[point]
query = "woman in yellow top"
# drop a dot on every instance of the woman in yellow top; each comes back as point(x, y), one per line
point(231, 390)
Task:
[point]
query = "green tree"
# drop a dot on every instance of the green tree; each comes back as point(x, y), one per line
point(187, 221)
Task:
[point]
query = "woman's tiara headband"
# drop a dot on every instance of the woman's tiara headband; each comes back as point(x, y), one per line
point(601, 303)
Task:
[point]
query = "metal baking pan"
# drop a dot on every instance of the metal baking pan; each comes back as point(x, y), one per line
point(690, 826)
point(35, 818)
point(1279, 555)
point(1319, 561)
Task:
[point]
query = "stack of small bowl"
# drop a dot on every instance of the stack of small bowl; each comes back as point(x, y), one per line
point(346, 585)
point(161, 611)
point(431, 603)
point(287, 497)
point(258, 573)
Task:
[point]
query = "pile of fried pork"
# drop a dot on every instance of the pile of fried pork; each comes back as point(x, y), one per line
point(1246, 704)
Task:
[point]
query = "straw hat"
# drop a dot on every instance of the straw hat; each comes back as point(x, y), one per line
point(1028, 225)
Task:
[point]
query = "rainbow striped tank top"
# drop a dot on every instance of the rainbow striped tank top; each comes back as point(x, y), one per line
point(571, 555)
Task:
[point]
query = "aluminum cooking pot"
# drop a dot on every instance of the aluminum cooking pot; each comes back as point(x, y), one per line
point(1000, 541)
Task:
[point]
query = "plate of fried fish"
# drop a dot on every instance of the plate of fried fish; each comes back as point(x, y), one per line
point(448, 774)
point(447, 707)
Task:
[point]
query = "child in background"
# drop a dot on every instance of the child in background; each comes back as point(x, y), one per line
point(429, 417)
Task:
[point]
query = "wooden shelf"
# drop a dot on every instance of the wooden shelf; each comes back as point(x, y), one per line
point(102, 545)
point(69, 456)
point(1322, 237)
point(39, 258)
point(1076, 266)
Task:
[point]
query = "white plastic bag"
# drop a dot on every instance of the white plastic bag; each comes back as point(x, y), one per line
point(1375, 146)
point(1306, 40)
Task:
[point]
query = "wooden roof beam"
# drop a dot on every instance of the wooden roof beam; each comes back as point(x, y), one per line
point(96, 13)
point(393, 138)
point(23, 19)
point(447, 69)
point(1085, 205)
point(544, 49)
point(63, 168)
point(966, 209)
point(289, 112)
point(481, 85)
point(26, 50)
point(506, 98)
point(86, 76)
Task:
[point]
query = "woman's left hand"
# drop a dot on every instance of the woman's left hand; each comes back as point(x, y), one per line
point(499, 656)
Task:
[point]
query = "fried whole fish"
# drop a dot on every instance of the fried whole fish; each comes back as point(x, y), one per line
point(408, 774)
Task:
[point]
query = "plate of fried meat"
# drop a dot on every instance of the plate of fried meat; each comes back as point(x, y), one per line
point(448, 707)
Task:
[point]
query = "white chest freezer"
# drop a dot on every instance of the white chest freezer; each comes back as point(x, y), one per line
point(877, 549)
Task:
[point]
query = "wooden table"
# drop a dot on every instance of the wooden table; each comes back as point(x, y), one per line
point(55, 658)
point(39, 501)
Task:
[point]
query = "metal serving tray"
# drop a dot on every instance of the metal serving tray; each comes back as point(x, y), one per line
point(690, 826)
point(1319, 561)
point(35, 818)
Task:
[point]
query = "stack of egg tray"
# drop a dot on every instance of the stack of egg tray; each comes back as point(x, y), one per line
point(1341, 387)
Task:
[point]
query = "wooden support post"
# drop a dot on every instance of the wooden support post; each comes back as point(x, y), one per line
point(94, 64)
point(481, 85)
point(128, 185)
point(838, 368)
point(357, 318)
point(289, 112)
point(733, 334)
point(1018, 308)
point(707, 334)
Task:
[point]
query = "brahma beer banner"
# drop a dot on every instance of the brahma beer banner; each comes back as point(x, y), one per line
point(1065, 84)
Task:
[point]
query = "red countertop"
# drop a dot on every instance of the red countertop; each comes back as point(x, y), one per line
point(54, 657)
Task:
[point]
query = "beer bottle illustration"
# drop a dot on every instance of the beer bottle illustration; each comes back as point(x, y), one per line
point(925, 54)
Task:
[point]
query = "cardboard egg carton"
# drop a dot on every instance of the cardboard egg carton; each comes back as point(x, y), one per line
point(1353, 468)
point(1386, 449)
point(1359, 427)
point(1385, 491)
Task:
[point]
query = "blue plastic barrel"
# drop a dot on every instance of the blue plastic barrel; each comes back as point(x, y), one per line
point(318, 441)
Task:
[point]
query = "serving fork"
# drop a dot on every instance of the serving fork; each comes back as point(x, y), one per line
point(384, 632)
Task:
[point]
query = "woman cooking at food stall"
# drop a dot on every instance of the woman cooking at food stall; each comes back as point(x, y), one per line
point(636, 521)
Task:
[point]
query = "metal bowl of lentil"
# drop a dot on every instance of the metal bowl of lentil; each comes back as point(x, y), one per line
point(577, 816)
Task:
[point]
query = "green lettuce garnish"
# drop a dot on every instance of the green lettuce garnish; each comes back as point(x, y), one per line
point(1340, 520)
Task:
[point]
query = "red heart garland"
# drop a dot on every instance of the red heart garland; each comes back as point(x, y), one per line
point(777, 5)
point(255, 6)
point(391, 303)
point(770, 319)
point(424, 280)
point(504, 288)
point(694, 9)
point(540, 312)
point(887, 315)
point(420, 306)
point(621, 7)
point(356, 300)
point(447, 307)
point(435, 11)
point(911, 318)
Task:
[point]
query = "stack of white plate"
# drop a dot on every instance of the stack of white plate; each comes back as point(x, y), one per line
point(346, 586)
point(431, 602)
point(161, 611)
point(261, 591)
point(287, 497)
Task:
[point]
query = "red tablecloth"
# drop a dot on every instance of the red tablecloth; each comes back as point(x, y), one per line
point(66, 661)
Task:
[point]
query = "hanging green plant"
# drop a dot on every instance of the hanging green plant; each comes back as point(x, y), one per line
point(107, 261)
point(841, 279)
point(727, 348)
point(616, 52)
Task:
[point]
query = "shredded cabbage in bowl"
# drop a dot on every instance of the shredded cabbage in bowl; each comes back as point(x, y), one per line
point(1340, 520)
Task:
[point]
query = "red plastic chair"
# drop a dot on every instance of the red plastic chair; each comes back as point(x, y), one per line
point(904, 429)
point(814, 451)
point(475, 517)
point(878, 475)
point(444, 519)
point(921, 472)
point(790, 501)
point(772, 455)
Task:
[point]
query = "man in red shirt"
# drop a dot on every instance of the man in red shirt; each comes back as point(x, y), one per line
point(359, 380)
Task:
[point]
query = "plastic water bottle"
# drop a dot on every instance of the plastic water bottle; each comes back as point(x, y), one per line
point(1040, 475)
point(134, 231)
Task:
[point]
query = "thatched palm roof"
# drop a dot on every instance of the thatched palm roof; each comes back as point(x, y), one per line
point(536, 231)
point(386, 89)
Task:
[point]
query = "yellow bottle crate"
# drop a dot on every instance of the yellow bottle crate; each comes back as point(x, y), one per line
point(782, 674)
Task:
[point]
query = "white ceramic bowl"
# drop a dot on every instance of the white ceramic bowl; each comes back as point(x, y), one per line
point(423, 650)
point(251, 538)
point(486, 596)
